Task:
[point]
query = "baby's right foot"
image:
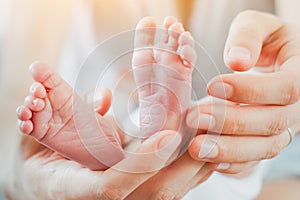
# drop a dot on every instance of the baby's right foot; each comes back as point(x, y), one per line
point(163, 74)
point(62, 121)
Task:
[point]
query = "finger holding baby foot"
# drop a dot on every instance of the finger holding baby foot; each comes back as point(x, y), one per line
point(100, 99)
point(242, 169)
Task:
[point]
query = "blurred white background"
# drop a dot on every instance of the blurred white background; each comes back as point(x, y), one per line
point(5, 8)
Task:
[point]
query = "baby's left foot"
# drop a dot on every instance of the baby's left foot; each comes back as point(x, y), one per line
point(61, 120)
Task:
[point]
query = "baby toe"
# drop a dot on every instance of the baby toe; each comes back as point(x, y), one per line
point(23, 113)
point(145, 32)
point(34, 104)
point(38, 90)
point(168, 21)
point(174, 32)
point(188, 55)
point(25, 127)
point(186, 39)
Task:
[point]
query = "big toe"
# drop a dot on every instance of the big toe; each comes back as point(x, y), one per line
point(144, 37)
point(58, 90)
point(45, 75)
point(145, 32)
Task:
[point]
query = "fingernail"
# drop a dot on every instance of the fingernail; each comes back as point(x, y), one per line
point(239, 53)
point(198, 120)
point(220, 90)
point(208, 150)
point(223, 166)
point(167, 145)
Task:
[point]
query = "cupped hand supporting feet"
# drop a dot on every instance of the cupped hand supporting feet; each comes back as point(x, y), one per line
point(48, 117)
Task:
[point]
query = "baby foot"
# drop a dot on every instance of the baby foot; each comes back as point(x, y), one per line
point(163, 74)
point(62, 121)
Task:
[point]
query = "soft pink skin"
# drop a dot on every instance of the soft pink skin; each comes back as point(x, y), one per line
point(163, 74)
point(58, 118)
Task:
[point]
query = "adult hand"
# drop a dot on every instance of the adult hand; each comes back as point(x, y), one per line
point(40, 173)
point(258, 108)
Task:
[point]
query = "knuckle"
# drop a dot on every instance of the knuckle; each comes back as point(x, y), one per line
point(230, 126)
point(194, 147)
point(109, 193)
point(234, 124)
point(245, 21)
point(275, 148)
point(279, 124)
point(231, 171)
point(164, 194)
point(240, 168)
point(239, 125)
point(254, 93)
point(179, 197)
point(251, 16)
point(292, 93)
point(245, 29)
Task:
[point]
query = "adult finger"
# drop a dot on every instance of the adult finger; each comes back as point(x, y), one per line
point(203, 174)
point(180, 172)
point(235, 119)
point(231, 149)
point(247, 34)
point(123, 178)
point(54, 177)
point(280, 88)
point(279, 49)
point(66, 179)
point(101, 100)
point(233, 168)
